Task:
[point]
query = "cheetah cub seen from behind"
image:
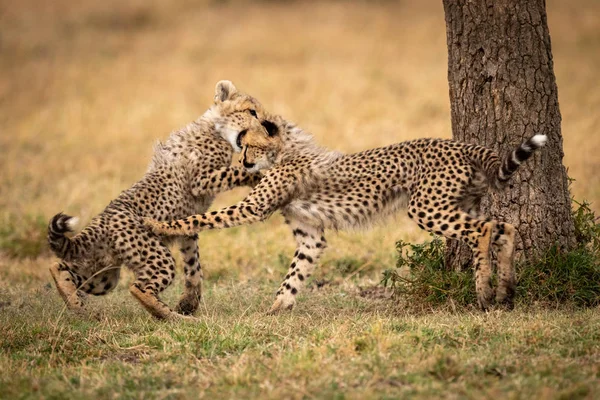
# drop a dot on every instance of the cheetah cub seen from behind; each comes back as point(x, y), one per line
point(441, 182)
point(185, 173)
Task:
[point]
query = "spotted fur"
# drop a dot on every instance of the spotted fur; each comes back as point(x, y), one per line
point(440, 181)
point(185, 173)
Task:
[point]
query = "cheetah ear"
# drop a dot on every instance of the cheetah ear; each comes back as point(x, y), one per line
point(224, 91)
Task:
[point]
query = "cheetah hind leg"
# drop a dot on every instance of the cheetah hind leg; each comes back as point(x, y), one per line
point(310, 245)
point(482, 261)
point(475, 232)
point(66, 287)
point(503, 244)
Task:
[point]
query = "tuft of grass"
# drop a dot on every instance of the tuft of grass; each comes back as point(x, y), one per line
point(420, 276)
point(559, 277)
point(587, 226)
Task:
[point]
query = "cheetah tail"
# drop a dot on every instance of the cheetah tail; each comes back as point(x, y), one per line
point(60, 244)
point(511, 163)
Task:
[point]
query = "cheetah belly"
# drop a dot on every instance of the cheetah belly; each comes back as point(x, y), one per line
point(346, 209)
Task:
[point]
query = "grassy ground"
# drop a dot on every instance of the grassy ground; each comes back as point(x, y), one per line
point(85, 89)
point(336, 344)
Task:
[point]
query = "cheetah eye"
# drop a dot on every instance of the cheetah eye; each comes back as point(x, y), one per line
point(253, 113)
point(271, 128)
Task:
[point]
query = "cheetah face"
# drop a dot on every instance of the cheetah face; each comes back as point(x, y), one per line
point(260, 150)
point(235, 114)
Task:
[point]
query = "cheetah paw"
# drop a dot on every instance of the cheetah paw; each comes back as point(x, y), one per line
point(280, 305)
point(187, 306)
point(485, 300)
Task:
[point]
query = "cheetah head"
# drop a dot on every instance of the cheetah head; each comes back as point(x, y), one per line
point(236, 114)
point(260, 149)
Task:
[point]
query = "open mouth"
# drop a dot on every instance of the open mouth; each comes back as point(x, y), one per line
point(238, 140)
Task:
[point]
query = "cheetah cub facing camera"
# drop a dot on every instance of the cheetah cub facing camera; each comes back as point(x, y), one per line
point(185, 173)
point(441, 181)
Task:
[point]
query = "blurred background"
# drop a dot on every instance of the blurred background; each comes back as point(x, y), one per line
point(87, 87)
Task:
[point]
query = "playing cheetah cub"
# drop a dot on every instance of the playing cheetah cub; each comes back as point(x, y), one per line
point(185, 173)
point(315, 188)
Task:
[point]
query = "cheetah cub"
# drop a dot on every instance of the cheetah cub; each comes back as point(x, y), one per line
point(185, 173)
point(441, 182)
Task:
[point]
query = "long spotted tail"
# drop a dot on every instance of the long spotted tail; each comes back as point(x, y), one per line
point(63, 246)
point(499, 171)
point(511, 163)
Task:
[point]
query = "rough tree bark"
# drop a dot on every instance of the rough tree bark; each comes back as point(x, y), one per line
point(503, 91)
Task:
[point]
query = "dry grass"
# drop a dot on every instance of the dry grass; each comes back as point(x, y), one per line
point(85, 89)
point(335, 345)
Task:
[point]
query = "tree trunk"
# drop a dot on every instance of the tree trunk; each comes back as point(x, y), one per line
point(503, 91)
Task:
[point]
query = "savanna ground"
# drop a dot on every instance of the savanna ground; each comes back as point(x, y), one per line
point(87, 87)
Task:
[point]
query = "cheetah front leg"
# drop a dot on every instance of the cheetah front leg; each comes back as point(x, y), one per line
point(189, 301)
point(224, 179)
point(266, 197)
point(310, 244)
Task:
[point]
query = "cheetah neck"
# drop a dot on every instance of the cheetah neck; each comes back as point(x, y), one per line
point(201, 128)
point(298, 142)
point(181, 141)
